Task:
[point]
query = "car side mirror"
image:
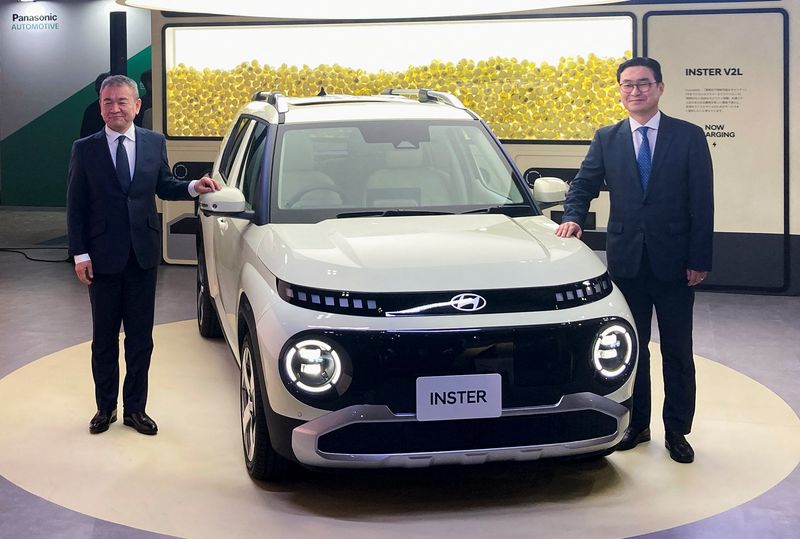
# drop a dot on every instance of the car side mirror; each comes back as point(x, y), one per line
point(547, 191)
point(550, 190)
point(227, 201)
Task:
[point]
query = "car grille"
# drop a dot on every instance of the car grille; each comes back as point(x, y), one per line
point(538, 364)
point(468, 434)
point(453, 302)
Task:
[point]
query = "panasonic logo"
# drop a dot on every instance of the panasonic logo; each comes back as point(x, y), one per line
point(468, 302)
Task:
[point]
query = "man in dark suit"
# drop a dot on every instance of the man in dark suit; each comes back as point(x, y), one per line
point(659, 176)
point(115, 237)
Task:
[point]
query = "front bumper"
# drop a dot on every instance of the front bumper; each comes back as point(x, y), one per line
point(371, 436)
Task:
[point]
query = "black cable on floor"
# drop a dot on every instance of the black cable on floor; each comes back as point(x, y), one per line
point(21, 251)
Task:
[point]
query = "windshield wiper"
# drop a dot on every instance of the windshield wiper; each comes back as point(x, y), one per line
point(390, 213)
point(509, 209)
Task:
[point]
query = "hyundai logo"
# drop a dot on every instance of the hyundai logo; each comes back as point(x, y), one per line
point(468, 302)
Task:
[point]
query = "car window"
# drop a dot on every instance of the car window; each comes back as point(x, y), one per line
point(391, 164)
point(233, 179)
point(251, 165)
point(234, 141)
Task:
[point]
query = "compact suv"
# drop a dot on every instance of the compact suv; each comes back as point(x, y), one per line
point(384, 277)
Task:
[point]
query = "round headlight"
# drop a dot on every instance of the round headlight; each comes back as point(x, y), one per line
point(313, 366)
point(612, 350)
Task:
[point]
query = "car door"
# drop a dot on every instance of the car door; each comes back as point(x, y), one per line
point(224, 241)
point(233, 249)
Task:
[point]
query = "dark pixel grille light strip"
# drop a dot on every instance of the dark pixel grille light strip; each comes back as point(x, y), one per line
point(443, 303)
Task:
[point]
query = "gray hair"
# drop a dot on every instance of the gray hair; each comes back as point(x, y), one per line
point(121, 80)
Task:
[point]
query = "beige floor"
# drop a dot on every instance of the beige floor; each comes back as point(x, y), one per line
point(190, 481)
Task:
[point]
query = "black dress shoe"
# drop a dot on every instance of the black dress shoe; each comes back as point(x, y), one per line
point(141, 422)
point(101, 420)
point(633, 437)
point(679, 448)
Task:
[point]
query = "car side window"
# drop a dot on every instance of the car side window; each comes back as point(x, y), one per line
point(251, 166)
point(232, 148)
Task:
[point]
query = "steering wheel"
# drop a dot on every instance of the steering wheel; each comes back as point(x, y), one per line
point(299, 196)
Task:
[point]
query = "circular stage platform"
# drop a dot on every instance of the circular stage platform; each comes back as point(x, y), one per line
point(190, 479)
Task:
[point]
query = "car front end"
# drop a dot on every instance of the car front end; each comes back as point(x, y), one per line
point(420, 360)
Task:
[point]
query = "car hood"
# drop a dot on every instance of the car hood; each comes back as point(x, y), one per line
point(426, 253)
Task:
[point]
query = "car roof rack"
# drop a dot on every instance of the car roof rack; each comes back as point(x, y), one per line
point(424, 95)
point(276, 99)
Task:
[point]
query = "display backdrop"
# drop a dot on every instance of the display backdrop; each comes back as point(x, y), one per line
point(51, 53)
point(719, 77)
point(530, 78)
point(734, 94)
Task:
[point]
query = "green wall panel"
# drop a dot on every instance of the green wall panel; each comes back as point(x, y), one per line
point(34, 159)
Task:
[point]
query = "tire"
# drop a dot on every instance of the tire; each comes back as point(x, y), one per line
point(207, 320)
point(262, 461)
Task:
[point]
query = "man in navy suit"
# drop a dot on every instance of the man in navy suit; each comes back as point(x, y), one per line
point(115, 236)
point(659, 177)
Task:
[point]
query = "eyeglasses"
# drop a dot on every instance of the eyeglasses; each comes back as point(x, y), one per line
point(644, 87)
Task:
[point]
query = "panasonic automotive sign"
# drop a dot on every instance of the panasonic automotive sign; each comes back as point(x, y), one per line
point(47, 21)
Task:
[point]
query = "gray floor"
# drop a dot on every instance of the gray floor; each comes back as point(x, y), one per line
point(45, 309)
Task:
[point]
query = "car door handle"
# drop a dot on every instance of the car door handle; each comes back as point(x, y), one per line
point(222, 223)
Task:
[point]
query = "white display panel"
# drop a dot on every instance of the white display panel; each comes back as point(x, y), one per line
point(723, 72)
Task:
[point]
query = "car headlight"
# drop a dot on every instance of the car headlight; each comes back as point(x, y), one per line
point(613, 350)
point(315, 367)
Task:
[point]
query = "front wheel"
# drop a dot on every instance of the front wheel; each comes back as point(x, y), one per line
point(261, 459)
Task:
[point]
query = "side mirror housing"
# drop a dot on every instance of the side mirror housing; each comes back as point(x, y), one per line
point(228, 201)
point(547, 191)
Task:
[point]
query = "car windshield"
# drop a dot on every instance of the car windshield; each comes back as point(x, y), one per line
point(418, 167)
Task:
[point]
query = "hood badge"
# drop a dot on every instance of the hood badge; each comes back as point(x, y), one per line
point(468, 302)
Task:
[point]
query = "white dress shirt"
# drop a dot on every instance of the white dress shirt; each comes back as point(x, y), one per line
point(130, 146)
point(652, 133)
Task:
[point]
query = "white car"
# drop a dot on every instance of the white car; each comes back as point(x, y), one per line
point(394, 296)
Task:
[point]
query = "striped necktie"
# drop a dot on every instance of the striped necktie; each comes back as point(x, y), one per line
point(644, 159)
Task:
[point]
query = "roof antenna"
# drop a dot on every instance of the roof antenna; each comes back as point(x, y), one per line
point(322, 91)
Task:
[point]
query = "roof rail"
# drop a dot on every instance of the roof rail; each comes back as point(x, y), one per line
point(424, 95)
point(276, 99)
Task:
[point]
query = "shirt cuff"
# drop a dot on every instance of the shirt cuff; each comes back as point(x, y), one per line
point(192, 192)
point(82, 258)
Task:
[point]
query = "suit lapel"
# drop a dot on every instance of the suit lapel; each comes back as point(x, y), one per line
point(624, 143)
point(106, 163)
point(139, 153)
point(663, 141)
point(142, 151)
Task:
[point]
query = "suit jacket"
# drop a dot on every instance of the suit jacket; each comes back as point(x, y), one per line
point(674, 219)
point(106, 219)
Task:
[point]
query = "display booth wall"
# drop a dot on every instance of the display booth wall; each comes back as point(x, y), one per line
point(51, 53)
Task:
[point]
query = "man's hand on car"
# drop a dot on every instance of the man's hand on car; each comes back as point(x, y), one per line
point(569, 229)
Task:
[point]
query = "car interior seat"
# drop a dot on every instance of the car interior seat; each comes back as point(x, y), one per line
point(406, 181)
point(301, 185)
point(351, 169)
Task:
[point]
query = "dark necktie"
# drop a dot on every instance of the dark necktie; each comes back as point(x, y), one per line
point(123, 167)
point(644, 159)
